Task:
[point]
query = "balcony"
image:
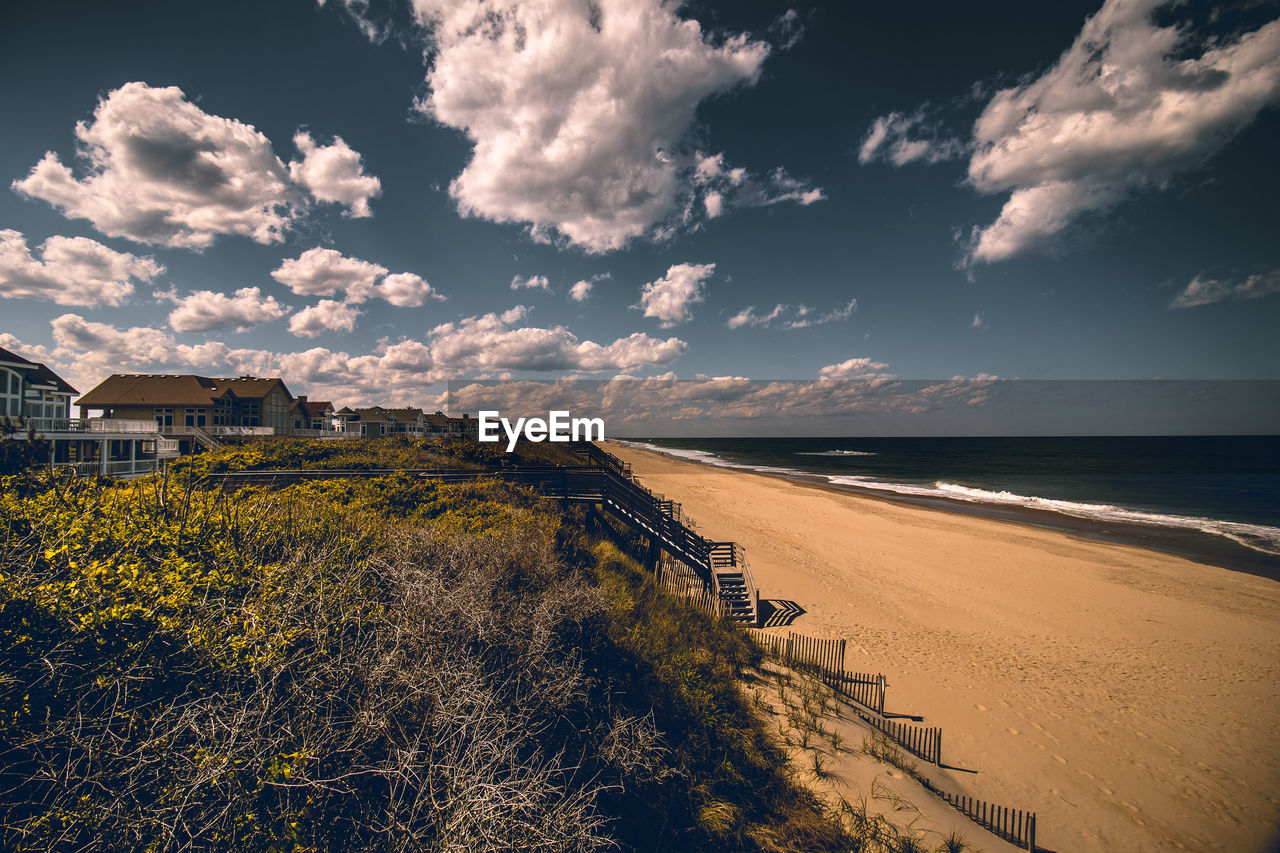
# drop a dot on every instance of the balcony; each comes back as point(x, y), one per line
point(113, 426)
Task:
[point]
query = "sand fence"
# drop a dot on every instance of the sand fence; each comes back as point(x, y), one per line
point(824, 658)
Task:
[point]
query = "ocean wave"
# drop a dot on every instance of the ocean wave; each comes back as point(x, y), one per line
point(1256, 537)
point(708, 458)
point(834, 453)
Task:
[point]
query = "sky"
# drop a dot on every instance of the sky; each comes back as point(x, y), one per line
point(372, 199)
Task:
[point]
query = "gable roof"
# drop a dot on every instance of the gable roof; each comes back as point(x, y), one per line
point(316, 408)
point(36, 373)
point(13, 358)
point(167, 389)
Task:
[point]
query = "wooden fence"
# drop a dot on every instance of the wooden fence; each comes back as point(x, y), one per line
point(1013, 825)
point(680, 581)
point(827, 657)
point(921, 741)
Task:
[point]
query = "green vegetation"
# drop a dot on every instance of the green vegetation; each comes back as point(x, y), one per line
point(373, 454)
point(373, 664)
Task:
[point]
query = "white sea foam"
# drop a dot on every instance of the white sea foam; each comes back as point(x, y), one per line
point(1255, 537)
point(708, 458)
point(834, 453)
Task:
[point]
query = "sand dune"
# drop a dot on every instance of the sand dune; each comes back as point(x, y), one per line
point(1128, 697)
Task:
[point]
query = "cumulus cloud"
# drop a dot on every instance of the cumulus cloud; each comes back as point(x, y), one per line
point(396, 372)
point(334, 173)
point(900, 139)
point(70, 271)
point(327, 315)
point(157, 169)
point(406, 290)
point(791, 316)
point(855, 368)
point(671, 298)
point(533, 282)
point(979, 321)
point(86, 352)
point(204, 310)
point(494, 342)
point(1126, 107)
point(578, 113)
point(327, 272)
point(580, 291)
point(1207, 291)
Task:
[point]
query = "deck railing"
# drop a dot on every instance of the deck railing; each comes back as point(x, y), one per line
point(108, 425)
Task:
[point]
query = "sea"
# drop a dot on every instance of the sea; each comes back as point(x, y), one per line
point(1213, 499)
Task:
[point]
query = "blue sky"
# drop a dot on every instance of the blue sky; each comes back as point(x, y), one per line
point(371, 199)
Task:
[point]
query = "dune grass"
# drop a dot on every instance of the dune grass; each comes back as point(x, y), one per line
point(374, 664)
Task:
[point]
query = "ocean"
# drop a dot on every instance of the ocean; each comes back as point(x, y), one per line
point(1214, 499)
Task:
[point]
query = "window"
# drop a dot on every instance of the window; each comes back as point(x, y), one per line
point(164, 417)
point(10, 393)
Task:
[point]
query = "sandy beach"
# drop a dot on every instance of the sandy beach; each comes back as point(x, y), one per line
point(1129, 697)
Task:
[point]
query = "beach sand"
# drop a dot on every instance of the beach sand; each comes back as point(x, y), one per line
point(1130, 698)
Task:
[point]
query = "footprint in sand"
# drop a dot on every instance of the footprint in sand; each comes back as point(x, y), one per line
point(1012, 731)
point(1107, 791)
point(1060, 759)
point(981, 707)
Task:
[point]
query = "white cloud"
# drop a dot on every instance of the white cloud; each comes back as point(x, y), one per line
point(334, 173)
point(580, 291)
point(579, 113)
point(205, 309)
point(1128, 106)
point(670, 298)
point(791, 316)
point(1207, 291)
point(406, 290)
point(533, 282)
point(890, 139)
point(70, 271)
point(160, 170)
point(327, 315)
point(86, 352)
point(979, 322)
point(493, 342)
point(855, 368)
point(326, 272)
point(397, 372)
point(713, 201)
point(723, 187)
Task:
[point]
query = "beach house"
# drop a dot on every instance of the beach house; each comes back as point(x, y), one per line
point(29, 389)
point(312, 416)
point(196, 409)
point(36, 402)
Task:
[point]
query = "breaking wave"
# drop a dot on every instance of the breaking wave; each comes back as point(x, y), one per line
point(834, 453)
